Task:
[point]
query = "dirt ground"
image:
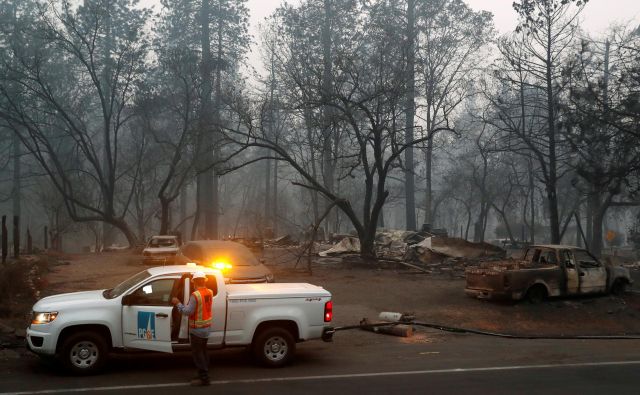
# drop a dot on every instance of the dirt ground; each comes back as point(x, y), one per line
point(364, 292)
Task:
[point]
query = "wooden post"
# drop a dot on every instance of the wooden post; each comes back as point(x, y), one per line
point(16, 236)
point(5, 241)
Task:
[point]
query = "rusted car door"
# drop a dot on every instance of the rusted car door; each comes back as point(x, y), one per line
point(573, 279)
point(593, 275)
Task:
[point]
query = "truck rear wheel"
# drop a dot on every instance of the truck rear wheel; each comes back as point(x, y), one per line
point(274, 347)
point(537, 294)
point(83, 353)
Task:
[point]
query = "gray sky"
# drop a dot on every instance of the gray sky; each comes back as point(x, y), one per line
point(597, 16)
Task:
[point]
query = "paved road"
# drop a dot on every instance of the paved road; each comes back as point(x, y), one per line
point(366, 363)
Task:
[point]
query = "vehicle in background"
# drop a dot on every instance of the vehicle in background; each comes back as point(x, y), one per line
point(161, 250)
point(545, 271)
point(81, 329)
point(236, 262)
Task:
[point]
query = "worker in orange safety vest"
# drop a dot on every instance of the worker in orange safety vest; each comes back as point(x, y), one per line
point(200, 312)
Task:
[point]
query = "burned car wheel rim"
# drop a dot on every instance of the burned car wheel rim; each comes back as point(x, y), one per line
point(276, 348)
point(84, 354)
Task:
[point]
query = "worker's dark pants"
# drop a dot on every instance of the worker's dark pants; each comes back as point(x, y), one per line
point(200, 356)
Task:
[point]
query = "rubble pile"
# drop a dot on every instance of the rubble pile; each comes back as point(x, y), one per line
point(346, 245)
point(427, 251)
point(282, 241)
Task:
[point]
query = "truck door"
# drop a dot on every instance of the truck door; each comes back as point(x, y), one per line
point(216, 337)
point(146, 316)
point(571, 271)
point(216, 334)
point(593, 275)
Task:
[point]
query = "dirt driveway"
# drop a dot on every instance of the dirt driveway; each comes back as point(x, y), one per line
point(361, 292)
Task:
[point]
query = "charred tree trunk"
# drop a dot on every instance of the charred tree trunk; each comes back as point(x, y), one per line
point(196, 215)
point(409, 181)
point(5, 241)
point(327, 122)
point(205, 159)
point(29, 242)
point(213, 224)
point(275, 198)
point(428, 219)
point(165, 208)
point(16, 237)
point(16, 196)
point(184, 196)
point(552, 179)
point(267, 196)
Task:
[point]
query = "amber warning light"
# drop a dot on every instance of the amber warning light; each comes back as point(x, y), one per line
point(328, 311)
point(221, 265)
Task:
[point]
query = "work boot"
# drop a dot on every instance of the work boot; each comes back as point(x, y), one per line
point(200, 382)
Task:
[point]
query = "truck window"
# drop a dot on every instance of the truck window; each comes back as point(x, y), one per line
point(126, 284)
point(155, 293)
point(585, 260)
point(567, 259)
point(532, 255)
point(212, 284)
point(549, 257)
point(158, 243)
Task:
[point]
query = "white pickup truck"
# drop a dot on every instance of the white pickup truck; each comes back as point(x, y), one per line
point(82, 328)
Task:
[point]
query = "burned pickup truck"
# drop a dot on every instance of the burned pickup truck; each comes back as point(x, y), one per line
point(546, 271)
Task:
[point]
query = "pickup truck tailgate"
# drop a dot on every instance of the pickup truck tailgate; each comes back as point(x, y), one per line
point(485, 279)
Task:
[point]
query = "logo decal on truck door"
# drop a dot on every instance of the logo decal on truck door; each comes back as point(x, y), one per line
point(146, 325)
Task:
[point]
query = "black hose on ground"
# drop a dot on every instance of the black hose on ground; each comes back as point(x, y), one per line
point(446, 328)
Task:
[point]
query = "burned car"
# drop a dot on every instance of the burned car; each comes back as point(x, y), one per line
point(236, 262)
point(546, 271)
point(161, 250)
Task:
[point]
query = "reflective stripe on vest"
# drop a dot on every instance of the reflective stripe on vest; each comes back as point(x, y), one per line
point(202, 315)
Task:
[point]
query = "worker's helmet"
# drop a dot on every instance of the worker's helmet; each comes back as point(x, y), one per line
point(199, 275)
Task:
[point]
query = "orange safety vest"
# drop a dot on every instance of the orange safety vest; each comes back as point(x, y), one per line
point(202, 315)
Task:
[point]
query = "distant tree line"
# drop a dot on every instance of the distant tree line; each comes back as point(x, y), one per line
point(380, 113)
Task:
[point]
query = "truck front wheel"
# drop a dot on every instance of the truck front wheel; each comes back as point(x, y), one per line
point(83, 353)
point(274, 347)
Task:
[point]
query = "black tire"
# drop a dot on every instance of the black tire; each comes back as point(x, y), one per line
point(273, 347)
point(537, 294)
point(619, 287)
point(84, 353)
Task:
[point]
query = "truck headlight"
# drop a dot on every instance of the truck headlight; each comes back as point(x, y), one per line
point(43, 318)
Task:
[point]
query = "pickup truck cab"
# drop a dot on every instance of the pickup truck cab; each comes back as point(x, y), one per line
point(80, 329)
point(545, 271)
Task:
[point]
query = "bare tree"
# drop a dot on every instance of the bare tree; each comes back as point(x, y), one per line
point(104, 51)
